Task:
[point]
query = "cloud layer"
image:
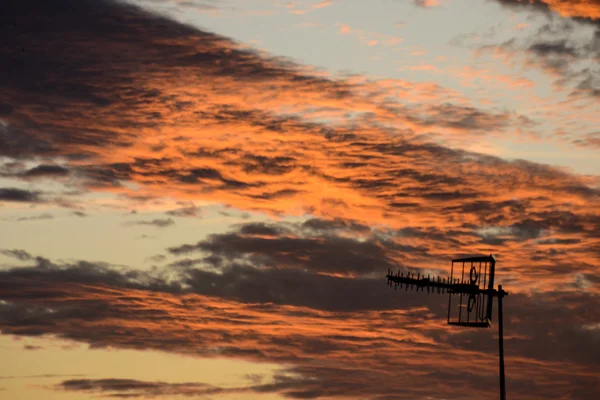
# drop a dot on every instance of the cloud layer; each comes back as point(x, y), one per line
point(313, 323)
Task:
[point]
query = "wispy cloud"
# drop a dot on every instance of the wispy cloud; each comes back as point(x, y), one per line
point(187, 210)
point(304, 7)
point(369, 38)
point(427, 3)
point(39, 217)
point(157, 222)
point(131, 388)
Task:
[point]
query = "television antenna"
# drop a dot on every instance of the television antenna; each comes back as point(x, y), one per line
point(477, 291)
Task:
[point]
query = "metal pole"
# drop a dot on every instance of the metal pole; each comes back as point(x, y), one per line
point(501, 344)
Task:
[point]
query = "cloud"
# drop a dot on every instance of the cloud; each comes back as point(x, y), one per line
point(36, 217)
point(286, 384)
point(585, 9)
point(590, 140)
point(461, 117)
point(565, 50)
point(427, 3)
point(345, 29)
point(321, 348)
point(40, 376)
point(19, 195)
point(341, 248)
point(157, 222)
point(311, 7)
point(565, 46)
point(46, 171)
point(369, 38)
point(188, 210)
point(243, 175)
point(18, 254)
point(131, 388)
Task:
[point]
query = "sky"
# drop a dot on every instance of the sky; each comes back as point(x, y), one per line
point(202, 198)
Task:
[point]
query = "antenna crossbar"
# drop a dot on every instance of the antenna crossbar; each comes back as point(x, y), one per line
point(442, 284)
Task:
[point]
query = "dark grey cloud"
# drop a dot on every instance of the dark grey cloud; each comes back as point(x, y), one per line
point(229, 277)
point(589, 83)
point(19, 195)
point(544, 321)
point(185, 211)
point(36, 217)
point(568, 47)
point(211, 178)
point(326, 226)
point(294, 383)
point(212, 153)
point(304, 288)
point(5, 109)
point(157, 222)
point(41, 376)
point(278, 165)
point(264, 229)
point(157, 258)
point(106, 175)
point(131, 388)
point(289, 386)
point(555, 42)
point(81, 272)
point(18, 254)
point(559, 241)
point(46, 171)
point(558, 47)
point(190, 262)
point(316, 245)
point(465, 117)
point(277, 194)
point(534, 5)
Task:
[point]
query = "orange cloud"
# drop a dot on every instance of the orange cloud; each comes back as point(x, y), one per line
point(575, 8)
point(425, 67)
point(427, 3)
point(370, 38)
point(469, 75)
point(224, 125)
point(309, 8)
point(345, 29)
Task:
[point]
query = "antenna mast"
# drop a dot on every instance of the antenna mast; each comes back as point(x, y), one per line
point(476, 288)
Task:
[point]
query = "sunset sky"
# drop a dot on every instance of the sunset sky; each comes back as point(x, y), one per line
point(201, 198)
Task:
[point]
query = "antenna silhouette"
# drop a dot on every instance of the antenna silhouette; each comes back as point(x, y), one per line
point(477, 291)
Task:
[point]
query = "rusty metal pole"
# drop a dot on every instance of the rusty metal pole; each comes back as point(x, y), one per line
point(501, 344)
